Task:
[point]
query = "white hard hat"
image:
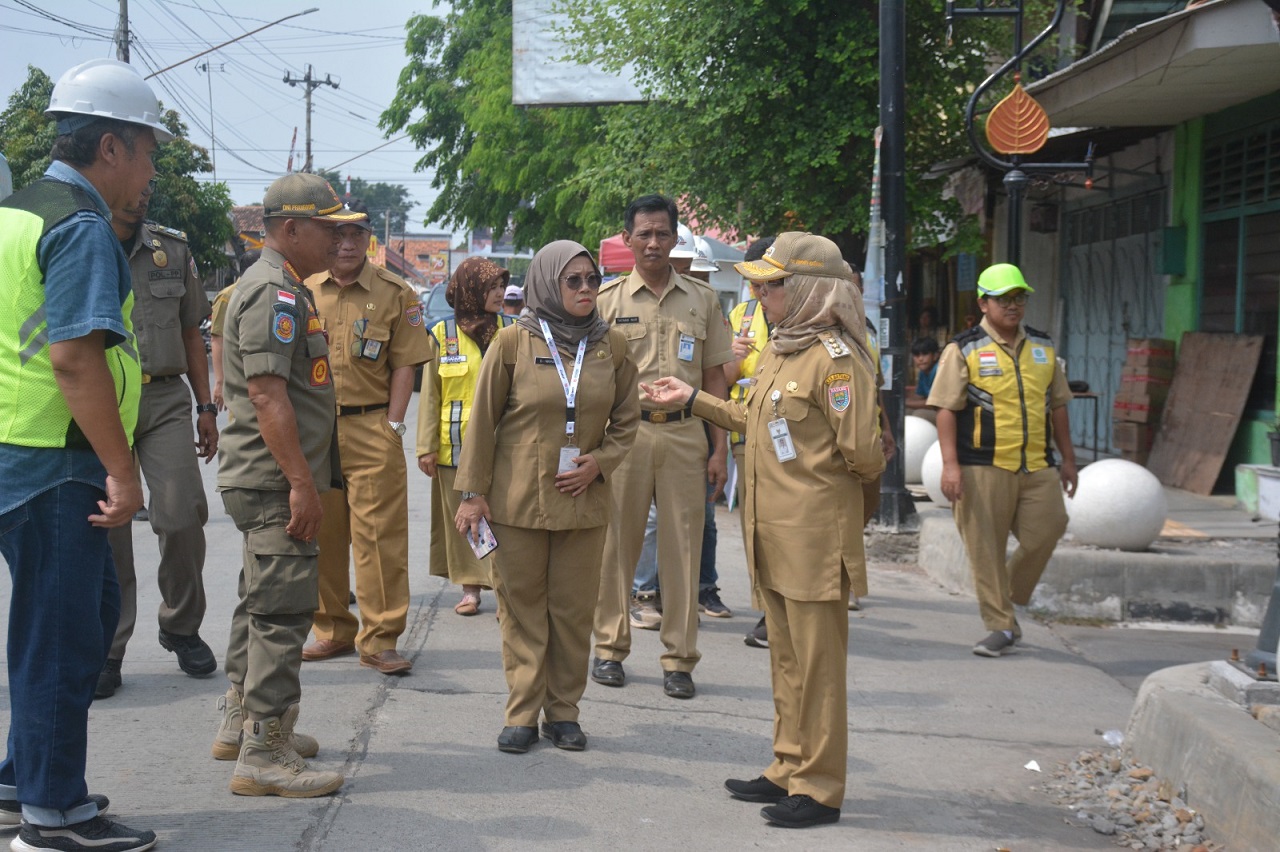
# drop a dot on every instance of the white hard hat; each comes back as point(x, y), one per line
point(684, 242)
point(702, 259)
point(105, 88)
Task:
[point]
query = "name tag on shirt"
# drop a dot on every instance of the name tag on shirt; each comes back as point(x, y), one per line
point(686, 347)
point(549, 362)
point(453, 359)
point(626, 320)
point(780, 433)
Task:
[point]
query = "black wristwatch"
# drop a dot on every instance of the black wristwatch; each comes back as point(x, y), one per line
point(209, 407)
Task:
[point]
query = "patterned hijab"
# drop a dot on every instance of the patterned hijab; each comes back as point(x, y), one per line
point(812, 305)
point(543, 300)
point(471, 282)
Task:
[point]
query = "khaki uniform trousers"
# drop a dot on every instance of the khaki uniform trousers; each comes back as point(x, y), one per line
point(740, 489)
point(669, 464)
point(996, 502)
point(449, 553)
point(277, 600)
point(163, 447)
point(546, 583)
point(369, 519)
point(808, 661)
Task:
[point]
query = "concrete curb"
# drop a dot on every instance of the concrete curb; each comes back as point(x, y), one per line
point(1177, 581)
point(1211, 747)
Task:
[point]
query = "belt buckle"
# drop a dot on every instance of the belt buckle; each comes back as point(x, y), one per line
point(146, 379)
point(658, 417)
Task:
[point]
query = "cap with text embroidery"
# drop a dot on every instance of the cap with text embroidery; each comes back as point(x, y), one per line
point(301, 195)
point(797, 253)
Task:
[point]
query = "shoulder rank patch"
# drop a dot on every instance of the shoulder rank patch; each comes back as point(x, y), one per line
point(191, 266)
point(838, 391)
point(283, 327)
point(171, 232)
point(836, 347)
point(413, 314)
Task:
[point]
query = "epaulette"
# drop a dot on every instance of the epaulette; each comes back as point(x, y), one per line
point(836, 347)
point(969, 335)
point(168, 232)
point(1037, 333)
point(697, 281)
point(387, 275)
point(614, 282)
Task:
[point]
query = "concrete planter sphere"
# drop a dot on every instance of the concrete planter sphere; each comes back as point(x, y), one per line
point(1117, 504)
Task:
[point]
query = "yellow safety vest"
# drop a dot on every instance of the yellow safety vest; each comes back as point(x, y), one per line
point(33, 411)
point(459, 368)
point(1005, 421)
point(747, 320)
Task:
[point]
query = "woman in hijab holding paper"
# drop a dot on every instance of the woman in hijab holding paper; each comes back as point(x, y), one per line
point(555, 411)
point(813, 439)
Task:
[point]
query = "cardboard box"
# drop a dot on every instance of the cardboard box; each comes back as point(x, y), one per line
point(1149, 393)
point(1148, 372)
point(1132, 436)
point(1136, 456)
point(1150, 353)
point(1141, 410)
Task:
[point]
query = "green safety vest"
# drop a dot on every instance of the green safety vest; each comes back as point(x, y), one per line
point(33, 412)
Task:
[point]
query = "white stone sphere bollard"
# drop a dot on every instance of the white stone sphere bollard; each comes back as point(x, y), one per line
point(931, 474)
point(1118, 504)
point(918, 436)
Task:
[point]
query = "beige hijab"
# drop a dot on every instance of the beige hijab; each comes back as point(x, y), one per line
point(814, 305)
point(544, 302)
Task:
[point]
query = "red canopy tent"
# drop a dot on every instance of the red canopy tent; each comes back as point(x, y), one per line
point(615, 258)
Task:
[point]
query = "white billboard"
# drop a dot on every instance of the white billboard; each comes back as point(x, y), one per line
point(540, 73)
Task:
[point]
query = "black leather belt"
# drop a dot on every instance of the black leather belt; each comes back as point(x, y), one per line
point(146, 380)
point(359, 409)
point(665, 416)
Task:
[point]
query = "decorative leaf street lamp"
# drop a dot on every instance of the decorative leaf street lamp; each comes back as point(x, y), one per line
point(1018, 125)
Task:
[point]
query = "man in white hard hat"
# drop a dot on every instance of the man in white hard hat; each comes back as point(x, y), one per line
point(69, 390)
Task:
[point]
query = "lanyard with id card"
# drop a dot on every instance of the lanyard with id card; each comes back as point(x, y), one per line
point(780, 433)
point(570, 451)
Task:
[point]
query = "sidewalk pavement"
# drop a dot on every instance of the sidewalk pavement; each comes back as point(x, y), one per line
point(938, 737)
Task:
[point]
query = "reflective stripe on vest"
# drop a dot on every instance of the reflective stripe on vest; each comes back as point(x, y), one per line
point(1005, 421)
point(459, 370)
point(33, 411)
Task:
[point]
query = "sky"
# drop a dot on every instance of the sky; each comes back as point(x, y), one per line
point(360, 46)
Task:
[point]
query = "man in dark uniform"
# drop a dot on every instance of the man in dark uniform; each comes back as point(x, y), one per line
point(276, 457)
point(169, 304)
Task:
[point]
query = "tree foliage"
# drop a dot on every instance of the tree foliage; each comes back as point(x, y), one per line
point(381, 199)
point(761, 117)
point(180, 201)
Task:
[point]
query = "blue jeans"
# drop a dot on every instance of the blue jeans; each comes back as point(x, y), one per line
point(647, 567)
point(62, 616)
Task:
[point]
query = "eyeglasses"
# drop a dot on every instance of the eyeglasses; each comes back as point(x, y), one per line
point(1010, 299)
point(576, 282)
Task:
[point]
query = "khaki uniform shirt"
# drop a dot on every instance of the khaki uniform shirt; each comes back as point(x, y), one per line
point(685, 320)
point(512, 451)
point(168, 298)
point(218, 318)
point(272, 330)
point(951, 381)
point(374, 326)
point(800, 531)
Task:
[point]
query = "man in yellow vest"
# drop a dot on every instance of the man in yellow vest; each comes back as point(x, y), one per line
point(69, 389)
point(1001, 400)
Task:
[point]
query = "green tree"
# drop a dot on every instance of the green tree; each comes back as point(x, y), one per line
point(381, 199)
point(762, 116)
point(180, 201)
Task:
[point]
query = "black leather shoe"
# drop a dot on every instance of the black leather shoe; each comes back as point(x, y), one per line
point(759, 790)
point(516, 739)
point(194, 656)
point(678, 685)
point(109, 679)
point(565, 735)
point(607, 672)
point(799, 812)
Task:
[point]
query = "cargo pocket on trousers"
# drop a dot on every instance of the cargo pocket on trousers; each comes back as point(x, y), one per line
point(282, 578)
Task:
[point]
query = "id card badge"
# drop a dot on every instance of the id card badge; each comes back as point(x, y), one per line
point(372, 349)
point(485, 543)
point(781, 435)
point(686, 347)
point(567, 456)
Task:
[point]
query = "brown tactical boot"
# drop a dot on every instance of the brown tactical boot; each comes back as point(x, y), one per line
point(269, 766)
point(226, 744)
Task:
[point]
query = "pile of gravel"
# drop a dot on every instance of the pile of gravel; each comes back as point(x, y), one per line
point(1108, 792)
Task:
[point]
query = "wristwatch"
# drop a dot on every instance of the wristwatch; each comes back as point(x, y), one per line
point(209, 407)
point(468, 495)
point(398, 427)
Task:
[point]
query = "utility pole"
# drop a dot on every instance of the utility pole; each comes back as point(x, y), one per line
point(122, 33)
point(213, 141)
point(309, 85)
point(897, 509)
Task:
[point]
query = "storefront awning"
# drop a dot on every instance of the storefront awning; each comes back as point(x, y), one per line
point(1185, 65)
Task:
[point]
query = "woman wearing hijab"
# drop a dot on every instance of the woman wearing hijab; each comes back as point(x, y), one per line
point(444, 408)
point(813, 439)
point(556, 410)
